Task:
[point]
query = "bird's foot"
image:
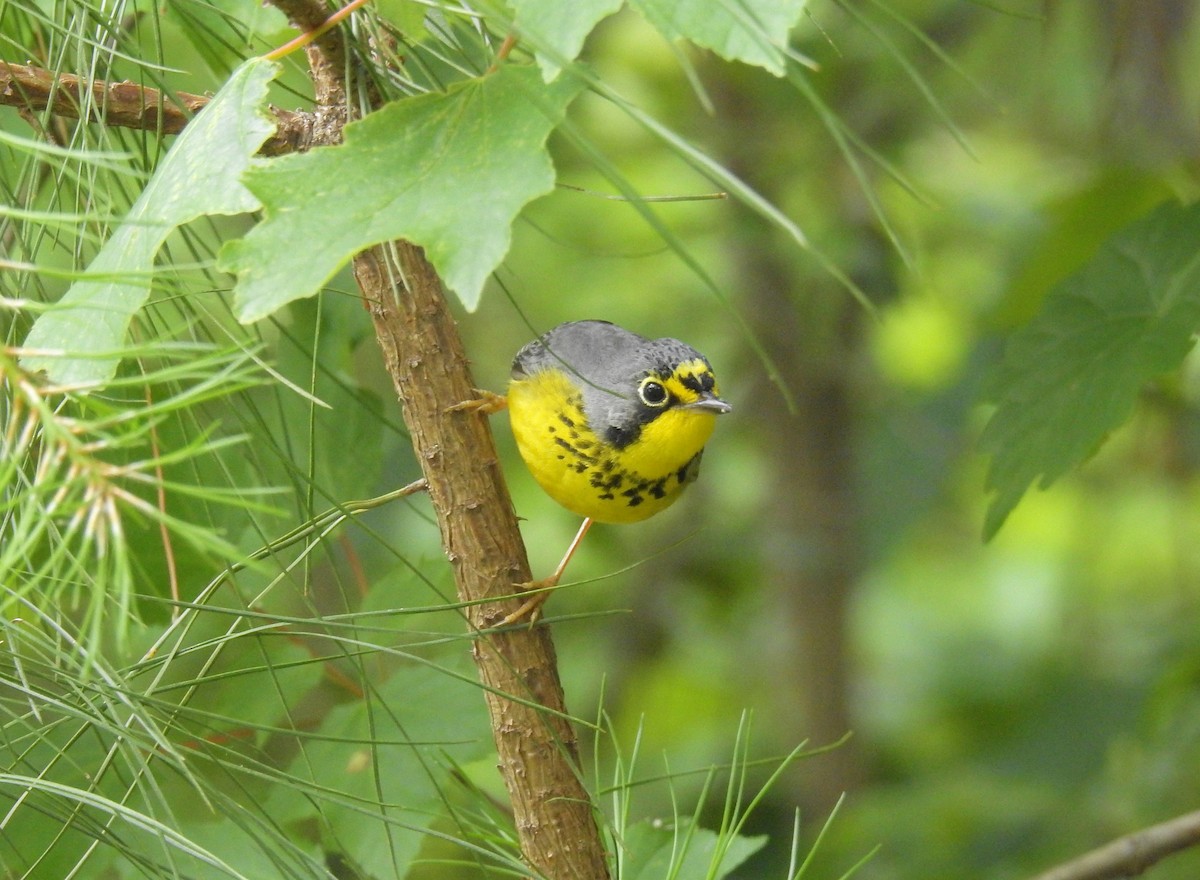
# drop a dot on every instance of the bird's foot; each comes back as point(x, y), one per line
point(486, 403)
point(531, 608)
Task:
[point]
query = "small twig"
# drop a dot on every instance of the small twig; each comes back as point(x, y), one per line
point(1132, 854)
point(327, 64)
point(510, 42)
point(310, 35)
point(130, 105)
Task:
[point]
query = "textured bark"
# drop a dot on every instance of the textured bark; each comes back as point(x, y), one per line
point(534, 740)
point(424, 355)
point(129, 105)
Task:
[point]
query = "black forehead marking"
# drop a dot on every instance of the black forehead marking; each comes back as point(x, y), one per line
point(698, 382)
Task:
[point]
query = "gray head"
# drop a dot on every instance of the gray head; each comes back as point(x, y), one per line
point(625, 380)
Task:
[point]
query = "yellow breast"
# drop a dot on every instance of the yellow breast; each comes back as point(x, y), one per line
point(589, 476)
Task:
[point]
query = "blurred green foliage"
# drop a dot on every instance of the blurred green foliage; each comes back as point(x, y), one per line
point(1012, 703)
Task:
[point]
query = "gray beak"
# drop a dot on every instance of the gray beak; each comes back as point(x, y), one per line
point(709, 403)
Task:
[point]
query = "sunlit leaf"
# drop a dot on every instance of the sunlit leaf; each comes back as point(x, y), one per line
point(80, 341)
point(382, 763)
point(751, 31)
point(1074, 372)
point(220, 31)
point(559, 29)
point(447, 171)
point(655, 850)
point(407, 16)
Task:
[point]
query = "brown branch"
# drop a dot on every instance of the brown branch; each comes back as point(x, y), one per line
point(327, 65)
point(1132, 854)
point(424, 355)
point(128, 105)
point(535, 743)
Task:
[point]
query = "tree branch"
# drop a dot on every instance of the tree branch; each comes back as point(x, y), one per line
point(328, 65)
point(129, 105)
point(1132, 854)
point(534, 740)
point(424, 355)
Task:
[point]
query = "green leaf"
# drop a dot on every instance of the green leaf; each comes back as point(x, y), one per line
point(1080, 221)
point(224, 32)
point(751, 31)
point(381, 765)
point(447, 171)
point(316, 434)
point(557, 30)
point(1074, 372)
point(80, 340)
point(653, 850)
point(407, 16)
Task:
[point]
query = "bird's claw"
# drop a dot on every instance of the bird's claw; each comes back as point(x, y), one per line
point(486, 403)
point(531, 608)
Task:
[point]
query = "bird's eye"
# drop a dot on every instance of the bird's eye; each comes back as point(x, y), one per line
point(652, 393)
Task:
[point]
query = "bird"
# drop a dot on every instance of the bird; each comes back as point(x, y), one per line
point(611, 424)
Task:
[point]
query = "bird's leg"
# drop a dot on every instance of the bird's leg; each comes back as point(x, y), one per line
point(486, 403)
point(532, 607)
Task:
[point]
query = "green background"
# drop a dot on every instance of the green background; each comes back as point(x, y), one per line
point(1012, 703)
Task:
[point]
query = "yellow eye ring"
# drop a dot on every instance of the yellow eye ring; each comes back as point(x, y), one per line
point(653, 393)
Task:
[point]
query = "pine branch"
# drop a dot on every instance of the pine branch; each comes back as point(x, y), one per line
point(1132, 854)
point(128, 105)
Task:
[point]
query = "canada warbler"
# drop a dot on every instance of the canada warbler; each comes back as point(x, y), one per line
point(611, 424)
